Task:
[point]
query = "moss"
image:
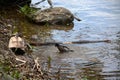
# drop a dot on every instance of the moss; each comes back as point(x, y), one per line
point(27, 11)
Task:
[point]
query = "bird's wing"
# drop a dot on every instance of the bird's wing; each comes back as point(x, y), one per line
point(66, 47)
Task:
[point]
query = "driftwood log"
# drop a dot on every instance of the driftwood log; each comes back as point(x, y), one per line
point(72, 42)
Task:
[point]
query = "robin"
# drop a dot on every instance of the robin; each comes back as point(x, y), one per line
point(63, 48)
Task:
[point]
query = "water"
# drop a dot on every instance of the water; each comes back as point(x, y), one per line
point(93, 61)
point(100, 20)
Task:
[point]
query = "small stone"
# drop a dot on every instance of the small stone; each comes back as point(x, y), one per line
point(34, 37)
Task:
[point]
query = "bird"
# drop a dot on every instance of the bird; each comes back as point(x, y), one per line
point(62, 48)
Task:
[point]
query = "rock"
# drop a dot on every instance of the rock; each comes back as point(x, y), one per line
point(34, 37)
point(56, 15)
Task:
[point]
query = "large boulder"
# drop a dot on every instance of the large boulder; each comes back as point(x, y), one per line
point(56, 15)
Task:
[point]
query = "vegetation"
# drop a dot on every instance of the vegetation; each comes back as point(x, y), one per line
point(27, 10)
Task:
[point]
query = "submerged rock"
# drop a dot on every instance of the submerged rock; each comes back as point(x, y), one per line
point(56, 15)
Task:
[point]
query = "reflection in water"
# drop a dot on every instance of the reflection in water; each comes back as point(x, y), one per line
point(91, 73)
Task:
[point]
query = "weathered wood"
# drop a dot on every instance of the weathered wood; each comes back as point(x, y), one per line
point(42, 44)
point(78, 19)
point(88, 41)
point(72, 42)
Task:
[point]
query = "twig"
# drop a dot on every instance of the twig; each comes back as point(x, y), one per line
point(23, 62)
point(20, 60)
point(37, 65)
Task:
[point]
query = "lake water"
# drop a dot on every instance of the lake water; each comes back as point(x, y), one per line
point(100, 20)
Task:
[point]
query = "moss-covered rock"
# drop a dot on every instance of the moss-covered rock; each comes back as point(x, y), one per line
point(56, 15)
